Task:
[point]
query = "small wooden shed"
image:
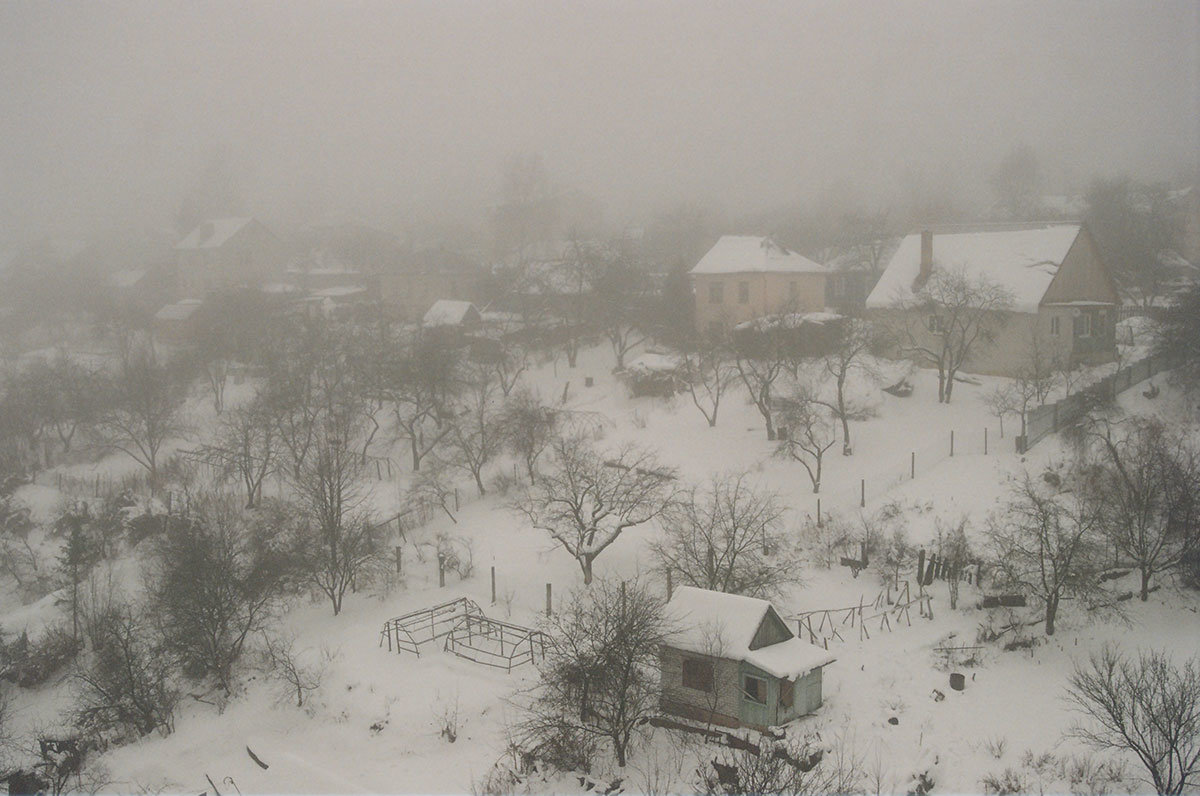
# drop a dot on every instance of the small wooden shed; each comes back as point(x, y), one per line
point(733, 661)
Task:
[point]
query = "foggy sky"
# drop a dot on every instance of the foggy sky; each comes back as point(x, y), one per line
point(389, 112)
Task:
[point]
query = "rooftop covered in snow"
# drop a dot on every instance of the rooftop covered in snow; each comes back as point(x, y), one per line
point(213, 233)
point(1022, 261)
point(449, 312)
point(749, 254)
point(724, 625)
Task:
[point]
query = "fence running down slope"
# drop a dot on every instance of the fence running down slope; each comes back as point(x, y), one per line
point(1048, 419)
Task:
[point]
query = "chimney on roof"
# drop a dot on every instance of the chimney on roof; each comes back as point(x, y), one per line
point(926, 257)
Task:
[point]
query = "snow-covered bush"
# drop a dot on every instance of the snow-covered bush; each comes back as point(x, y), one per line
point(31, 663)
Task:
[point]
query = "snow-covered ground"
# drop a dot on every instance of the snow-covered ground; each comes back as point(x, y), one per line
point(376, 723)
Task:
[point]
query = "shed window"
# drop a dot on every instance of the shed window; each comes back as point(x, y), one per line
point(1083, 325)
point(1054, 326)
point(787, 692)
point(716, 293)
point(754, 689)
point(698, 674)
point(743, 292)
point(935, 324)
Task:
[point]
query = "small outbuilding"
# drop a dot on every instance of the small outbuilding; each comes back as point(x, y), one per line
point(448, 312)
point(733, 661)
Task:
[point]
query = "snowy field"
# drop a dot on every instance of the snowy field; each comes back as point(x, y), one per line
point(376, 723)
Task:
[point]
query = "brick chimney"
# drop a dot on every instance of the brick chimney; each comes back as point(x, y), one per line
point(926, 257)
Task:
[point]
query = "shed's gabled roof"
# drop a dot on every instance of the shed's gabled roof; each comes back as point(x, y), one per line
point(1022, 261)
point(747, 254)
point(724, 626)
point(213, 233)
point(448, 312)
point(179, 311)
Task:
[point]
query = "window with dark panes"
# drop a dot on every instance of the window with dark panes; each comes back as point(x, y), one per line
point(716, 293)
point(754, 689)
point(787, 691)
point(698, 674)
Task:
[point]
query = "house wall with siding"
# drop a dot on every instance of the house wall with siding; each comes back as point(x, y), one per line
point(1010, 350)
point(726, 706)
point(768, 293)
point(722, 707)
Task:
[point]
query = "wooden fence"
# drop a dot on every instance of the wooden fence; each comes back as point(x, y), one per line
point(1050, 418)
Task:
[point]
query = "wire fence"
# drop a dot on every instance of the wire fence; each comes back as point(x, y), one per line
point(877, 478)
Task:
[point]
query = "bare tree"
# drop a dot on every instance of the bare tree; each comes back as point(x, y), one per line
point(586, 502)
point(337, 543)
point(954, 551)
point(759, 369)
point(619, 299)
point(212, 585)
point(1046, 543)
point(128, 684)
point(1147, 483)
point(600, 676)
point(145, 413)
point(855, 341)
point(948, 317)
point(419, 385)
point(286, 665)
point(1148, 706)
point(528, 427)
point(709, 372)
point(475, 435)
point(246, 447)
point(810, 433)
point(728, 536)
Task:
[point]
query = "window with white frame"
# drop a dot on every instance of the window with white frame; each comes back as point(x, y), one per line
point(1083, 325)
point(1054, 326)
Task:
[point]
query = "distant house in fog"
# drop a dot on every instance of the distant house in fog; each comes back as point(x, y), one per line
point(422, 276)
point(744, 277)
point(1062, 293)
point(224, 253)
point(173, 323)
point(448, 312)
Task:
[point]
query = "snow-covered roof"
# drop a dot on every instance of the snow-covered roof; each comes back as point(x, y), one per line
point(213, 233)
point(745, 254)
point(448, 312)
point(723, 625)
point(654, 362)
point(1022, 261)
point(341, 291)
point(179, 311)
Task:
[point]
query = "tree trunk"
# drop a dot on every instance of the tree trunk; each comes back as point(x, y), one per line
point(1144, 594)
point(479, 482)
point(416, 452)
point(771, 436)
point(585, 563)
point(1051, 611)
